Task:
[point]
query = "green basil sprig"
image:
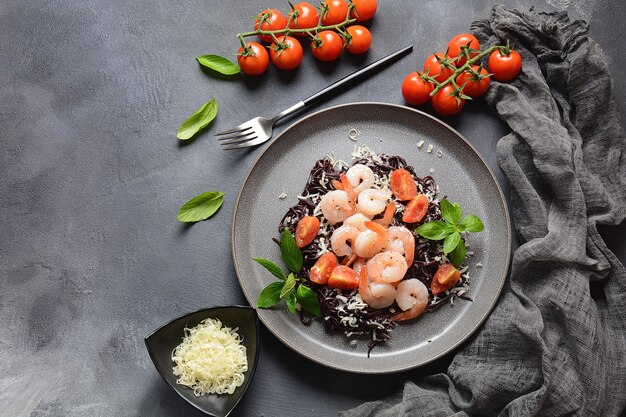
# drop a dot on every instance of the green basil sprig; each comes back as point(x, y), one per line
point(290, 288)
point(201, 207)
point(198, 121)
point(218, 64)
point(449, 230)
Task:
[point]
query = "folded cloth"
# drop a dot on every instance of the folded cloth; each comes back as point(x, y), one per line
point(555, 345)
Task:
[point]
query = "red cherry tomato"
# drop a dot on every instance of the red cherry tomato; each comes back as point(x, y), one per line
point(462, 39)
point(504, 67)
point(359, 39)
point(474, 87)
point(363, 10)
point(445, 103)
point(323, 268)
point(270, 19)
point(327, 46)
point(402, 184)
point(415, 90)
point(445, 278)
point(303, 16)
point(306, 230)
point(287, 55)
point(334, 12)
point(344, 278)
point(416, 209)
point(254, 60)
point(435, 68)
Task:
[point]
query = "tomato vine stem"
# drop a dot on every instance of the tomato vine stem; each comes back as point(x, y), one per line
point(308, 31)
point(468, 64)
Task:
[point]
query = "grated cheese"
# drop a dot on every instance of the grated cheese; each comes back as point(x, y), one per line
point(420, 143)
point(211, 359)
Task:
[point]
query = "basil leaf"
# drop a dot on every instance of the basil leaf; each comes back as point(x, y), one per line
point(451, 242)
point(472, 223)
point(219, 64)
point(270, 296)
point(290, 251)
point(308, 300)
point(198, 121)
point(201, 207)
point(458, 254)
point(450, 212)
point(435, 230)
point(272, 267)
point(290, 284)
point(291, 302)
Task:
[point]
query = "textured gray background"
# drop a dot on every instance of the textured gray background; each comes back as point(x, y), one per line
point(92, 257)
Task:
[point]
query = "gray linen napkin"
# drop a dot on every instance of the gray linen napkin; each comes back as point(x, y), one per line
point(555, 344)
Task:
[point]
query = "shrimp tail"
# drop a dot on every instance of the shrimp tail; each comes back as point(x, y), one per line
point(412, 313)
point(347, 187)
point(387, 215)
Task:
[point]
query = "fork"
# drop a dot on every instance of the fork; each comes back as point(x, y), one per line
point(258, 130)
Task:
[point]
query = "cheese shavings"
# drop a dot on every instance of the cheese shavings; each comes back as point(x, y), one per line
point(211, 359)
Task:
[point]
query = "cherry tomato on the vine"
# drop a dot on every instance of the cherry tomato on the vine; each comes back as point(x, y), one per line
point(253, 60)
point(270, 19)
point(359, 39)
point(334, 12)
point(445, 103)
point(303, 16)
point(327, 46)
point(436, 68)
point(474, 86)
point(462, 39)
point(415, 90)
point(504, 67)
point(287, 54)
point(363, 9)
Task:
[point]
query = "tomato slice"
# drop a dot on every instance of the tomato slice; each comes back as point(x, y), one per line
point(416, 209)
point(445, 278)
point(402, 184)
point(306, 230)
point(344, 278)
point(323, 267)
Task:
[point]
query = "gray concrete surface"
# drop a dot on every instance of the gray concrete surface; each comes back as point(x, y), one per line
point(92, 257)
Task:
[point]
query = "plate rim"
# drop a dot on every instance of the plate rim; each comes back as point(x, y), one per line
point(508, 225)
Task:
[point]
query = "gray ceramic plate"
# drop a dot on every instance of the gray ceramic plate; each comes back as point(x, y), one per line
point(461, 174)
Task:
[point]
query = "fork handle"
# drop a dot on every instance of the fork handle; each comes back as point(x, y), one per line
point(376, 65)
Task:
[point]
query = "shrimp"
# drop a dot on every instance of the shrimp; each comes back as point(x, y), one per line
point(412, 298)
point(358, 264)
point(387, 218)
point(357, 220)
point(361, 177)
point(373, 201)
point(401, 240)
point(342, 239)
point(371, 241)
point(375, 294)
point(387, 266)
point(336, 206)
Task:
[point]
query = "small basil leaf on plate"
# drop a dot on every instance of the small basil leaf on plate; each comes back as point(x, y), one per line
point(198, 121)
point(458, 254)
point(290, 252)
point(308, 300)
point(451, 241)
point(270, 296)
point(291, 302)
point(201, 207)
point(472, 223)
point(219, 64)
point(288, 287)
point(450, 212)
point(435, 230)
point(272, 267)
